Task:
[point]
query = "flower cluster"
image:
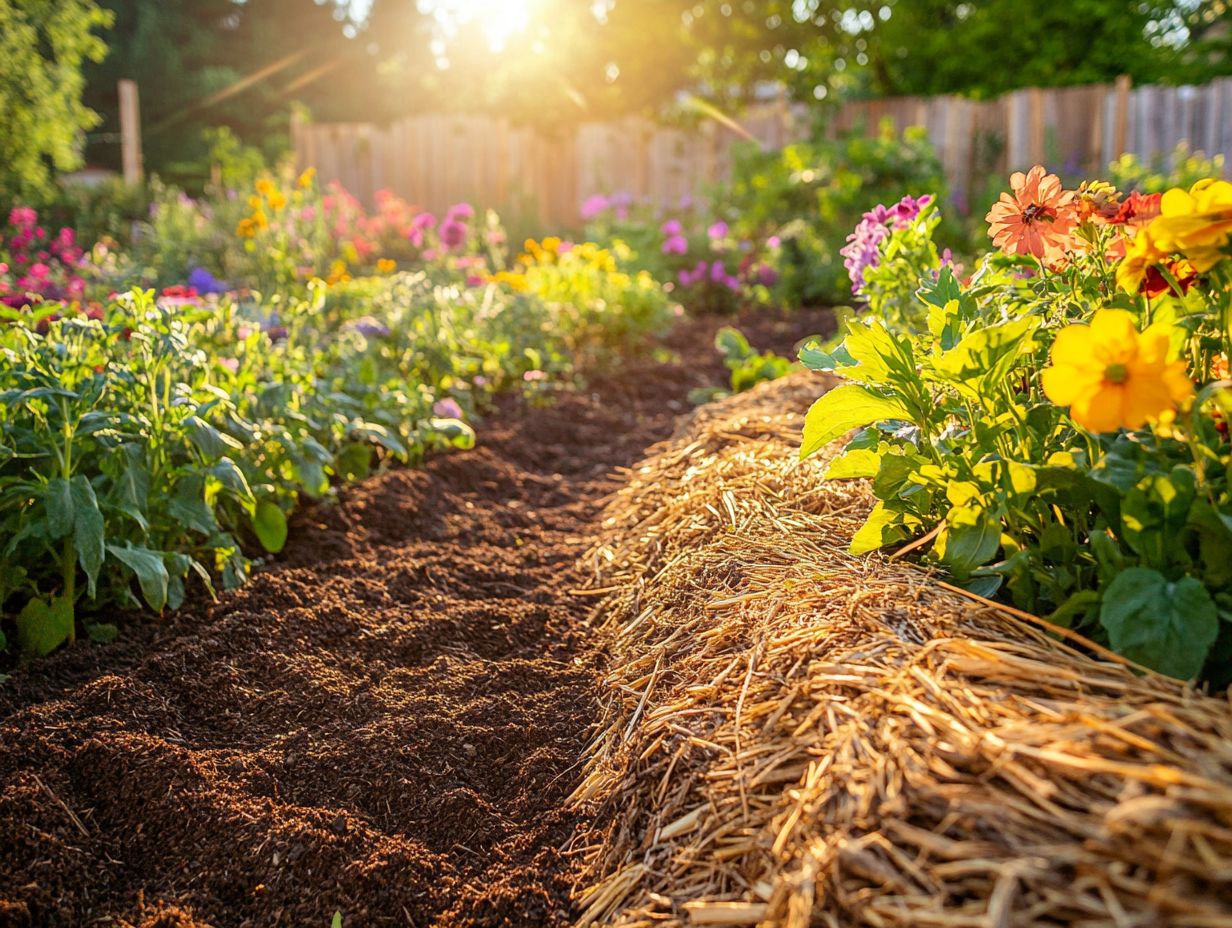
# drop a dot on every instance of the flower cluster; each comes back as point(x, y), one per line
point(862, 250)
point(37, 266)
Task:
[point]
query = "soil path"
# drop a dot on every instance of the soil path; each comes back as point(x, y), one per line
point(385, 722)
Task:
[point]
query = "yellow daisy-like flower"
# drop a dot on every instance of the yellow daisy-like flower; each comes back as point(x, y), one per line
point(305, 179)
point(1141, 254)
point(265, 186)
point(1197, 223)
point(277, 200)
point(1112, 376)
point(386, 265)
point(246, 228)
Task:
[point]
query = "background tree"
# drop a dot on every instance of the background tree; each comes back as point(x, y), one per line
point(43, 44)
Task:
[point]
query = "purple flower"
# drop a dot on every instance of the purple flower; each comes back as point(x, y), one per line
point(593, 205)
point(676, 245)
point(671, 228)
point(203, 281)
point(453, 233)
point(718, 230)
point(370, 327)
point(697, 275)
point(460, 212)
point(420, 224)
point(718, 273)
point(447, 408)
point(863, 248)
point(774, 243)
point(766, 275)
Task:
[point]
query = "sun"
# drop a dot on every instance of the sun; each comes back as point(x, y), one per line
point(500, 20)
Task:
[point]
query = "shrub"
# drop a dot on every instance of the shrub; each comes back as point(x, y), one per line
point(1053, 429)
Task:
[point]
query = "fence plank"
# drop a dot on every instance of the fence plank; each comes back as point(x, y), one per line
point(435, 160)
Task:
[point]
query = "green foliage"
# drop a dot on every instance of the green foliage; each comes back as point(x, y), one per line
point(747, 365)
point(1182, 168)
point(147, 455)
point(43, 45)
point(811, 194)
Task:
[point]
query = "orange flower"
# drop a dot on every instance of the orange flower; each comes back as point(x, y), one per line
point(1156, 284)
point(1137, 209)
point(1112, 376)
point(386, 265)
point(1036, 219)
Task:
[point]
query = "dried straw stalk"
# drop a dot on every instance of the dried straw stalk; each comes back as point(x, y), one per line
point(795, 736)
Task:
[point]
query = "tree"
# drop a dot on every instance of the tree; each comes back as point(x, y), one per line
point(43, 46)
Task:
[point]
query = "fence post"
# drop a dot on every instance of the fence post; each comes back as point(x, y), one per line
point(1120, 124)
point(130, 132)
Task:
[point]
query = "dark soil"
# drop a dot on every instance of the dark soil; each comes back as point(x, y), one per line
point(385, 722)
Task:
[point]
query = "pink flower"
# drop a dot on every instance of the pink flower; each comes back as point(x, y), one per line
point(40, 271)
point(22, 217)
point(593, 205)
point(447, 408)
point(453, 233)
point(676, 245)
point(532, 376)
point(231, 364)
point(671, 227)
point(460, 211)
point(718, 230)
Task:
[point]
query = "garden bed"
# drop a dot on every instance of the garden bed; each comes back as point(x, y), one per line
point(385, 722)
point(797, 736)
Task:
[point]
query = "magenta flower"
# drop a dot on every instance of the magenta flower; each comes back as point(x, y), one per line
point(460, 212)
point(453, 233)
point(593, 205)
point(419, 225)
point(863, 248)
point(447, 408)
point(718, 230)
point(671, 228)
point(676, 245)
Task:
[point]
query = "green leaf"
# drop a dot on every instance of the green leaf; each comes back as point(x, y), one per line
point(212, 443)
point(270, 525)
point(102, 632)
point(854, 462)
point(884, 526)
point(87, 529)
point(455, 433)
point(816, 358)
point(337, 920)
point(842, 409)
point(228, 473)
point(58, 499)
point(1167, 626)
point(732, 344)
point(1154, 513)
point(151, 572)
point(971, 537)
point(42, 627)
point(189, 508)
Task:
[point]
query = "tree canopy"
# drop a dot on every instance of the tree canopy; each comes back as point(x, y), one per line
point(43, 45)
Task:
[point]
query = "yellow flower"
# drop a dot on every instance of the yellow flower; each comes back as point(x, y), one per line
point(338, 273)
point(246, 228)
point(305, 179)
point(386, 265)
point(1197, 223)
point(255, 202)
point(259, 219)
point(1112, 376)
point(515, 282)
point(277, 200)
point(1141, 254)
point(265, 186)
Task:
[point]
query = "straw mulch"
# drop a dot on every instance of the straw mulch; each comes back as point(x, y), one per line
point(795, 736)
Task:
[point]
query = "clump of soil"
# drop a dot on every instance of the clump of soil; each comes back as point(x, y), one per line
point(385, 722)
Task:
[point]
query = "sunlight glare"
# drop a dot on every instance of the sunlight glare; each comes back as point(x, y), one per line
point(500, 20)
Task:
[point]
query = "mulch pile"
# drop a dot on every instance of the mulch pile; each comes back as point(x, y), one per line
point(385, 722)
point(798, 737)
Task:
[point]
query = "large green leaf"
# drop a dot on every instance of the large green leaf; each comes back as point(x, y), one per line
point(58, 500)
point(842, 409)
point(270, 525)
point(151, 572)
point(87, 529)
point(42, 626)
point(1165, 625)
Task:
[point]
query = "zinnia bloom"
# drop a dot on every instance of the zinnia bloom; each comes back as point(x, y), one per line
point(1112, 376)
point(1036, 219)
point(1196, 224)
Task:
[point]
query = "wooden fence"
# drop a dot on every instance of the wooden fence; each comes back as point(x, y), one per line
point(436, 160)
